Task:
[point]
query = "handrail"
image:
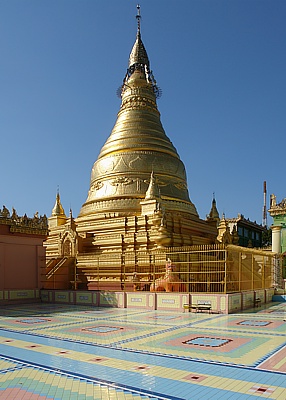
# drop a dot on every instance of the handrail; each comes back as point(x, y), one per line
point(49, 263)
point(56, 267)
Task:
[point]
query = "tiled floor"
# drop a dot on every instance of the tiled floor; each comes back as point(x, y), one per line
point(76, 352)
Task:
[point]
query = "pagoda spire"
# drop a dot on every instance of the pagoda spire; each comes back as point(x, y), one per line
point(214, 214)
point(58, 208)
point(138, 56)
point(139, 62)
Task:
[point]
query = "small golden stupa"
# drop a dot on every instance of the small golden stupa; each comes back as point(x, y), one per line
point(138, 197)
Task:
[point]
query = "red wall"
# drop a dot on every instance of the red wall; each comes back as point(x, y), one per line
point(21, 260)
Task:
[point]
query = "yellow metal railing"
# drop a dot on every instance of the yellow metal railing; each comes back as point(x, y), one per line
point(204, 268)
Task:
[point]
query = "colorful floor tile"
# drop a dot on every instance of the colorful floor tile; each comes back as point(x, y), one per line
point(65, 352)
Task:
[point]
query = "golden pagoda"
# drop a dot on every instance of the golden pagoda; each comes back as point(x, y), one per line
point(138, 198)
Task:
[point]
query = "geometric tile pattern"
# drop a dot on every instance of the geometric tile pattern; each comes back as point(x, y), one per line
point(240, 348)
point(254, 323)
point(33, 383)
point(207, 341)
point(76, 352)
point(102, 329)
point(261, 390)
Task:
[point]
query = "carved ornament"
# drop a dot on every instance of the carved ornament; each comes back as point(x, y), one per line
point(121, 181)
point(277, 209)
point(36, 225)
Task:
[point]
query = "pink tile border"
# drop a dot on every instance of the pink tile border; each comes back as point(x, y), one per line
point(20, 394)
point(271, 363)
point(233, 343)
point(270, 324)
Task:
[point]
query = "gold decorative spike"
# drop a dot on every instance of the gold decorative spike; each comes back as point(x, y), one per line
point(153, 190)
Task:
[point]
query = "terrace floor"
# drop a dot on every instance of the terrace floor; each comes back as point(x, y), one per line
point(55, 351)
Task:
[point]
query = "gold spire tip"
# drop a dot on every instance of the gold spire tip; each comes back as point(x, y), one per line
point(138, 17)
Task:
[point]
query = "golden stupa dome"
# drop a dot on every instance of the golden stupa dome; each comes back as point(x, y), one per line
point(58, 208)
point(137, 147)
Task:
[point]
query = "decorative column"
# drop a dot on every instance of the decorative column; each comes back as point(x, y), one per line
point(276, 238)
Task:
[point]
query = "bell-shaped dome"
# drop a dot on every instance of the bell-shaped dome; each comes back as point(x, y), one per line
point(136, 147)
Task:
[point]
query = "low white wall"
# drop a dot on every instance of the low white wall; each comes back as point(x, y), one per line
point(220, 303)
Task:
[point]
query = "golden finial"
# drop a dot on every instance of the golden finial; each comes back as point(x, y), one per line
point(138, 17)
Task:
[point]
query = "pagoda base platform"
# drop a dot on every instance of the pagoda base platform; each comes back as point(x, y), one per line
point(225, 303)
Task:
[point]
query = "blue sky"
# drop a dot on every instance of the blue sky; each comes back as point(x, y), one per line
point(220, 64)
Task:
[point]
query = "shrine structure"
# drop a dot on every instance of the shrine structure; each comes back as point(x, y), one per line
point(138, 214)
point(138, 198)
